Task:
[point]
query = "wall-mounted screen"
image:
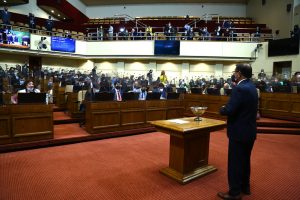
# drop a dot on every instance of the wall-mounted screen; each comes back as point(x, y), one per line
point(62, 44)
point(38, 42)
point(14, 39)
point(166, 47)
point(281, 47)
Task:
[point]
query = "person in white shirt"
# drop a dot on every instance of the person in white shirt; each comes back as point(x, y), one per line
point(28, 89)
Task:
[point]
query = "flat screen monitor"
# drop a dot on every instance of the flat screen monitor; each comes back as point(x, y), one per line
point(15, 39)
point(153, 96)
point(166, 47)
point(38, 98)
point(104, 96)
point(228, 91)
point(173, 95)
point(196, 90)
point(129, 96)
point(181, 90)
point(281, 47)
point(62, 44)
point(213, 91)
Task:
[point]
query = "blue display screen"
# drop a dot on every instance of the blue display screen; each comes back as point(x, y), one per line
point(62, 44)
point(166, 47)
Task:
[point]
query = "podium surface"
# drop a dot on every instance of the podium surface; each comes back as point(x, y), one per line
point(189, 146)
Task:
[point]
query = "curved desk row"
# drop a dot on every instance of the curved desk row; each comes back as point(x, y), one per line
point(118, 116)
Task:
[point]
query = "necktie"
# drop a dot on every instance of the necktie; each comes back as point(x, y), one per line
point(119, 98)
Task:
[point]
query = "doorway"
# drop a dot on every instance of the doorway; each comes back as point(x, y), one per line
point(282, 69)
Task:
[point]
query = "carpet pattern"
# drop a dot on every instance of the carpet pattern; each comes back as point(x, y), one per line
point(127, 168)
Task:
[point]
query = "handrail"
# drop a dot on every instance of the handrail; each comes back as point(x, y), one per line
point(137, 22)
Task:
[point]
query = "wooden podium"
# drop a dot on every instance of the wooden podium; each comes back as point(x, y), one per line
point(189, 146)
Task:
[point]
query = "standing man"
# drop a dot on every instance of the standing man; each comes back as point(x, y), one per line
point(49, 25)
point(31, 22)
point(241, 112)
point(5, 16)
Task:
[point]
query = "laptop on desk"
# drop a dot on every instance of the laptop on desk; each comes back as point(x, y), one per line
point(173, 95)
point(129, 96)
point(153, 96)
point(38, 98)
point(104, 96)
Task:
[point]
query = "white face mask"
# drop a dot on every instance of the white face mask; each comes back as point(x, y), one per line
point(161, 89)
point(30, 89)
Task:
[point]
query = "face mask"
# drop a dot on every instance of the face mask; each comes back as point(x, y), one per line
point(30, 89)
point(233, 79)
point(22, 82)
point(161, 89)
point(50, 84)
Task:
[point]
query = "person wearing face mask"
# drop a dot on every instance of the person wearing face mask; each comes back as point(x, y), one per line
point(136, 87)
point(241, 112)
point(29, 88)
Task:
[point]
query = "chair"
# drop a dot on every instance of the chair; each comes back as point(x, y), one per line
point(80, 97)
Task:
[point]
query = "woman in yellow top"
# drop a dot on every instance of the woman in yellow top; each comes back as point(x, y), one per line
point(163, 78)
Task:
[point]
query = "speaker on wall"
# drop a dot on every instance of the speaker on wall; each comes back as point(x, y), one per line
point(288, 7)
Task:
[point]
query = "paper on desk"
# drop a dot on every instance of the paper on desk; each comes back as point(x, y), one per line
point(178, 121)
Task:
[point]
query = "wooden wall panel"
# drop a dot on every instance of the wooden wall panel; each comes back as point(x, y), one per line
point(280, 106)
point(25, 123)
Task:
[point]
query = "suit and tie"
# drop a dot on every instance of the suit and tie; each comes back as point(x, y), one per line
point(241, 112)
point(117, 94)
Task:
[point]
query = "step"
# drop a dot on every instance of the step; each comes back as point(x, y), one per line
point(64, 118)
point(266, 122)
point(278, 130)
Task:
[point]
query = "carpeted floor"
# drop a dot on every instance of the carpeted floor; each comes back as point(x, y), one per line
point(127, 168)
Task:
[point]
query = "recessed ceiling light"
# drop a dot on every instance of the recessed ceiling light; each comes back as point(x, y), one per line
point(64, 18)
point(52, 11)
point(58, 15)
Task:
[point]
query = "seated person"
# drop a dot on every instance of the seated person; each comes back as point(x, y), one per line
point(136, 87)
point(28, 89)
point(224, 89)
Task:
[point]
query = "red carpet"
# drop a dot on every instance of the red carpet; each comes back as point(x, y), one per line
point(128, 168)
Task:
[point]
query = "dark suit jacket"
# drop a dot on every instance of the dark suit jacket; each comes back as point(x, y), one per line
point(115, 93)
point(241, 112)
point(5, 17)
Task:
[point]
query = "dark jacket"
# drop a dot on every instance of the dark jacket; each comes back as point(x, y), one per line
point(241, 111)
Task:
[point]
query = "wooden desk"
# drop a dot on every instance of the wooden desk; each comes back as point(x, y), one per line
point(189, 147)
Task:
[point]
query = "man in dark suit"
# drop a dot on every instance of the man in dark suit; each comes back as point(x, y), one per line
point(117, 90)
point(5, 15)
point(241, 112)
point(49, 25)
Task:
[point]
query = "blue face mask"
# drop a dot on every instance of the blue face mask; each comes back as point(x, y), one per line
point(22, 82)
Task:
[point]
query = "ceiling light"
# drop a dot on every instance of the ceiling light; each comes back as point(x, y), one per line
point(58, 15)
point(52, 11)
